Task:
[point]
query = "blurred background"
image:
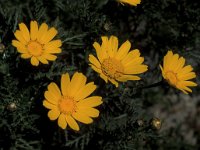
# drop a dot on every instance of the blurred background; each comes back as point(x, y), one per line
point(131, 117)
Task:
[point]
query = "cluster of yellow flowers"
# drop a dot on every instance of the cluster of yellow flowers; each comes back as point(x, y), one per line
point(72, 101)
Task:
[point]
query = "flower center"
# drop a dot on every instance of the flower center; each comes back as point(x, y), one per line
point(112, 68)
point(67, 105)
point(171, 77)
point(35, 48)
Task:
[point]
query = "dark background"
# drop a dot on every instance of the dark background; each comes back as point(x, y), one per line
point(128, 113)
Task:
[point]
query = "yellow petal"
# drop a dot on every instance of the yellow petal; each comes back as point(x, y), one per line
point(65, 81)
point(185, 70)
point(42, 60)
point(53, 51)
point(72, 123)
point(112, 46)
point(130, 56)
point(34, 30)
point(25, 32)
point(98, 51)
point(54, 90)
point(104, 77)
point(34, 61)
point(51, 33)
point(113, 81)
point(90, 112)
point(82, 117)
point(20, 47)
point(85, 91)
point(167, 60)
point(20, 38)
point(187, 76)
point(179, 64)
point(114, 43)
point(92, 101)
point(136, 69)
point(123, 50)
point(124, 78)
point(95, 68)
point(136, 61)
point(53, 45)
point(51, 97)
point(173, 62)
point(188, 83)
point(53, 114)
point(78, 82)
point(50, 57)
point(62, 121)
point(94, 61)
point(26, 56)
point(42, 32)
point(49, 105)
point(131, 2)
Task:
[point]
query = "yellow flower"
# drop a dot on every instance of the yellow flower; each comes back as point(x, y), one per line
point(115, 64)
point(72, 102)
point(176, 74)
point(37, 44)
point(130, 2)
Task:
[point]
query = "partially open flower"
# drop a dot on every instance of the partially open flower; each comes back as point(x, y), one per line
point(115, 64)
point(176, 74)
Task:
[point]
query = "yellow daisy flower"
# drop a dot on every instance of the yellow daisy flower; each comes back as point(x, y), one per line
point(115, 64)
point(72, 102)
point(130, 2)
point(176, 74)
point(37, 44)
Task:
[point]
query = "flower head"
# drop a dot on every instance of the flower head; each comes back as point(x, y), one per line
point(176, 74)
point(130, 2)
point(37, 44)
point(72, 102)
point(115, 64)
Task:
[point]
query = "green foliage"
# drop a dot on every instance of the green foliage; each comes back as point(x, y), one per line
point(154, 27)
